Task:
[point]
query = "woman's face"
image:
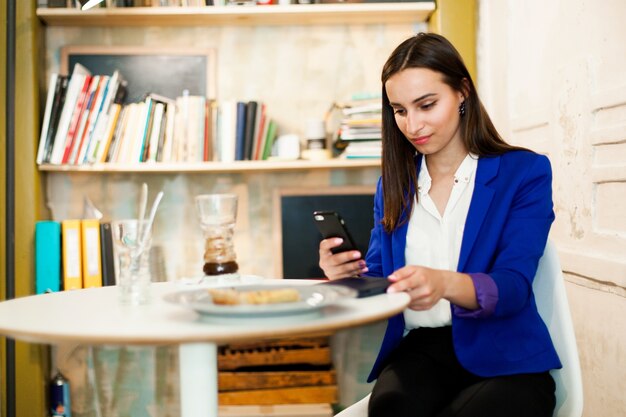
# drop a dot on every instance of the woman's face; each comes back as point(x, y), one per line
point(426, 110)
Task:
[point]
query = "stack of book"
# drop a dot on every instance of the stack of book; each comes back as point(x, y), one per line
point(86, 122)
point(360, 130)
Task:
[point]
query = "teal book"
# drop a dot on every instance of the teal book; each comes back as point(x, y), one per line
point(47, 256)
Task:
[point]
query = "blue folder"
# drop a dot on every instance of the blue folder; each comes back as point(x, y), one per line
point(47, 257)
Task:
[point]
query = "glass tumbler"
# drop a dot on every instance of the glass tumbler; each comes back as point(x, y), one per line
point(132, 240)
point(217, 214)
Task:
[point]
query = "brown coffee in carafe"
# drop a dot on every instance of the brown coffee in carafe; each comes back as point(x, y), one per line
point(217, 213)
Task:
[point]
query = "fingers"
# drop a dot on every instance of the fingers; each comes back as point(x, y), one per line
point(418, 283)
point(403, 279)
point(340, 265)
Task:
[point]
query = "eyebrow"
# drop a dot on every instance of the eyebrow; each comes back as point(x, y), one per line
point(417, 100)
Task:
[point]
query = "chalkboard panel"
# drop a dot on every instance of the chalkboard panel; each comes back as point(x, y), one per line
point(300, 237)
point(161, 71)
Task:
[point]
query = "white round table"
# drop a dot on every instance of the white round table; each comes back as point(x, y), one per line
point(94, 317)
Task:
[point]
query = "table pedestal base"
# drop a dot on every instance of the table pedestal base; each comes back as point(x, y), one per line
point(198, 379)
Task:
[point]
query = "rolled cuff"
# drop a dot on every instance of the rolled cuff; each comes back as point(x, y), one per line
point(486, 296)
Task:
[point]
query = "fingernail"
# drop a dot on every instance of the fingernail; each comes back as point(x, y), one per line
point(392, 278)
point(362, 264)
point(391, 290)
point(364, 269)
point(356, 255)
point(338, 240)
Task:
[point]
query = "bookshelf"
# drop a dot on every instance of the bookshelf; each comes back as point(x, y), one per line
point(181, 19)
point(216, 167)
point(296, 14)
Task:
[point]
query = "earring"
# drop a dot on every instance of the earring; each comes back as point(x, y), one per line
point(462, 109)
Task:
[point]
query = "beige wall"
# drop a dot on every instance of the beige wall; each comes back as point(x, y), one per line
point(552, 76)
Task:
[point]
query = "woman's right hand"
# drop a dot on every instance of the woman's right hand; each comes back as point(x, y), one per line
point(340, 265)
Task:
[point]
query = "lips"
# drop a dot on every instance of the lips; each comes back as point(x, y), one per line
point(421, 140)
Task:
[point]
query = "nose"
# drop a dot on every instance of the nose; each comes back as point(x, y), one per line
point(414, 123)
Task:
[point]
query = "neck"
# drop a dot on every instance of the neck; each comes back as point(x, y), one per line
point(442, 165)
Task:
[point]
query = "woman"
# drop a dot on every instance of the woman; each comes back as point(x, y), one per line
point(461, 220)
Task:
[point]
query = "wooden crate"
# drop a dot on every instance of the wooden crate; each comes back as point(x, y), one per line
point(314, 351)
point(240, 381)
point(282, 410)
point(288, 371)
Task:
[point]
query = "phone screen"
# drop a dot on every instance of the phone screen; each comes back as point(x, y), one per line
point(330, 224)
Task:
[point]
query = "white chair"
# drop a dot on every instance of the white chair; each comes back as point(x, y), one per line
point(553, 307)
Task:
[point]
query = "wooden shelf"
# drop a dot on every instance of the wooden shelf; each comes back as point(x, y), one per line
point(203, 167)
point(296, 14)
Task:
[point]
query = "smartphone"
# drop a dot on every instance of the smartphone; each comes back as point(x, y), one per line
point(330, 224)
point(364, 286)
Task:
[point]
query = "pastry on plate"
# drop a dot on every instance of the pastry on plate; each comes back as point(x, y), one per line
point(232, 296)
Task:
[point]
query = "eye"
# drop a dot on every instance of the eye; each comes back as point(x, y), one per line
point(427, 106)
point(398, 111)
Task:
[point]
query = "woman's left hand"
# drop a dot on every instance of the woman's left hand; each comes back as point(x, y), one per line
point(426, 286)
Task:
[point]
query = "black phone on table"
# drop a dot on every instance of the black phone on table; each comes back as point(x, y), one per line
point(364, 286)
point(330, 224)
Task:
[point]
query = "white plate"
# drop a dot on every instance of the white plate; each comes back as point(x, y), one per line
point(206, 281)
point(312, 298)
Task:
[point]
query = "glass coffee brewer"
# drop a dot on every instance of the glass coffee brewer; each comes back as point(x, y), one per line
point(217, 214)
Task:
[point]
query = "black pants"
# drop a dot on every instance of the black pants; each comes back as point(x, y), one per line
point(424, 379)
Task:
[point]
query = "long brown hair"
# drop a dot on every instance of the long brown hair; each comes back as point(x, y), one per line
point(434, 52)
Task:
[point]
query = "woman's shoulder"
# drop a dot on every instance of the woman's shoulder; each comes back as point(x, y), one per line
point(521, 167)
point(525, 159)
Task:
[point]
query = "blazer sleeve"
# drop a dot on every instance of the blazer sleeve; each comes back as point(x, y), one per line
point(523, 238)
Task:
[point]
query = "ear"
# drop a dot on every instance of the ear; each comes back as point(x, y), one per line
point(464, 89)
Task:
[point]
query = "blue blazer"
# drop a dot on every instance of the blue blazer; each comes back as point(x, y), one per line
point(505, 235)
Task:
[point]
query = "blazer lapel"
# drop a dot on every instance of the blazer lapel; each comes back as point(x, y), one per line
point(481, 200)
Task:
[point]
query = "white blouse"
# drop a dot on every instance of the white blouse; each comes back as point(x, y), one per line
point(435, 241)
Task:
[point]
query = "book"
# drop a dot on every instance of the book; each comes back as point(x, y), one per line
point(145, 127)
point(168, 140)
point(226, 126)
point(207, 149)
point(72, 257)
point(213, 142)
point(117, 135)
point(107, 265)
point(269, 139)
point(47, 257)
point(240, 131)
point(155, 142)
point(251, 117)
point(52, 90)
point(55, 114)
point(259, 132)
point(90, 239)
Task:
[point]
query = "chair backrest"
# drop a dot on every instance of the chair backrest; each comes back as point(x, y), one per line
point(551, 298)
